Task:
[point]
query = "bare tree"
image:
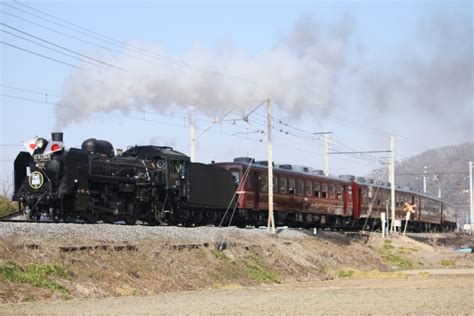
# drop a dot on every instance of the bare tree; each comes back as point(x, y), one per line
point(6, 186)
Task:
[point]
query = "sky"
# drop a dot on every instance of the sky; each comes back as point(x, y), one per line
point(128, 72)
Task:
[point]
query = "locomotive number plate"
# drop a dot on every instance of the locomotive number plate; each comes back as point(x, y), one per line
point(39, 157)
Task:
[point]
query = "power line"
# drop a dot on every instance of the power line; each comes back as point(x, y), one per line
point(109, 114)
point(309, 141)
point(47, 94)
point(130, 47)
point(50, 48)
point(29, 91)
point(287, 132)
point(114, 115)
point(135, 49)
point(181, 126)
point(40, 55)
point(64, 34)
point(50, 21)
point(56, 45)
point(358, 152)
point(429, 173)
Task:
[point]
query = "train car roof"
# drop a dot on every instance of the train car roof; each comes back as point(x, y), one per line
point(420, 194)
point(287, 171)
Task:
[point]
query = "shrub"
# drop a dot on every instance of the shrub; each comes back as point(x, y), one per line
point(256, 271)
point(36, 275)
point(448, 262)
point(7, 206)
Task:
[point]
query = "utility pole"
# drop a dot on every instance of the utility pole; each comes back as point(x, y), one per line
point(192, 132)
point(424, 180)
point(471, 199)
point(326, 153)
point(271, 219)
point(392, 181)
point(326, 150)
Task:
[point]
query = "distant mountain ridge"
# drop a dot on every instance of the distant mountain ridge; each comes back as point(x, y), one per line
point(447, 170)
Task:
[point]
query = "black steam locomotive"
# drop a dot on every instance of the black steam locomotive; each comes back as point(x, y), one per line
point(152, 184)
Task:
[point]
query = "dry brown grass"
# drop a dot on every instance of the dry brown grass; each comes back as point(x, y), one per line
point(153, 267)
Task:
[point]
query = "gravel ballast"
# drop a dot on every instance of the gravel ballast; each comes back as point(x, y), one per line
point(45, 231)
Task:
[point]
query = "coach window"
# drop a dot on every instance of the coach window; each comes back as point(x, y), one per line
point(283, 185)
point(339, 192)
point(317, 189)
point(263, 183)
point(291, 186)
point(309, 188)
point(236, 175)
point(275, 184)
point(363, 194)
point(247, 182)
point(331, 191)
point(324, 191)
point(300, 187)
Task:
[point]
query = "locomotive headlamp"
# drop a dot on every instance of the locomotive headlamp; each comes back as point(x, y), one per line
point(41, 143)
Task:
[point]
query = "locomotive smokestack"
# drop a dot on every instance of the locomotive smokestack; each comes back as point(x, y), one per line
point(57, 137)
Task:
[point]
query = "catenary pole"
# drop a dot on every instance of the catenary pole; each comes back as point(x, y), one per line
point(192, 132)
point(271, 220)
point(326, 153)
point(471, 199)
point(424, 179)
point(392, 181)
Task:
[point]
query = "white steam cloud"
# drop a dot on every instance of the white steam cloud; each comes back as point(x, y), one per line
point(300, 73)
point(439, 81)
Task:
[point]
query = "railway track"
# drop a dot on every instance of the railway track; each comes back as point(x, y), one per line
point(18, 217)
point(11, 215)
point(353, 233)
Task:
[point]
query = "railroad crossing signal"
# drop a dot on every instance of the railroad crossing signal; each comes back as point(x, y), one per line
point(409, 208)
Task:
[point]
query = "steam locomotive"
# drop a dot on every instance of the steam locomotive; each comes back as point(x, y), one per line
point(153, 184)
point(159, 185)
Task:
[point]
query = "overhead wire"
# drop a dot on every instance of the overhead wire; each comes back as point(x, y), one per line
point(276, 144)
point(102, 113)
point(123, 116)
point(125, 45)
point(56, 45)
point(308, 142)
point(50, 48)
point(287, 132)
point(140, 51)
point(29, 91)
point(40, 55)
point(48, 94)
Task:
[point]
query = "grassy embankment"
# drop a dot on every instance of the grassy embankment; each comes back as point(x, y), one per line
point(7, 206)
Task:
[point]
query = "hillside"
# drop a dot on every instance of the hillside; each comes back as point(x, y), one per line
point(447, 170)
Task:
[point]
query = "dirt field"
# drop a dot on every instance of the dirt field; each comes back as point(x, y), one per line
point(415, 295)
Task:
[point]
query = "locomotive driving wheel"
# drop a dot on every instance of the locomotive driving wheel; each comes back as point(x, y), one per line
point(130, 219)
point(91, 218)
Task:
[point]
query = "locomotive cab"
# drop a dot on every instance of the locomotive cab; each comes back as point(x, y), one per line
point(171, 167)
